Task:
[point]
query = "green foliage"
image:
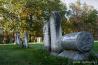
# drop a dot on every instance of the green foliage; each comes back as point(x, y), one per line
point(82, 18)
point(27, 15)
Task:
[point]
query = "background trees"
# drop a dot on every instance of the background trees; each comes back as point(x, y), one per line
point(30, 15)
point(82, 18)
point(27, 15)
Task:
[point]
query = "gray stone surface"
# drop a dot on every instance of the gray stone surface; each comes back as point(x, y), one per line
point(80, 41)
point(46, 34)
point(75, 46)
point(25, 43)
point(18, 41)
point(97, 55)
point(55, 30)
point(75, 55)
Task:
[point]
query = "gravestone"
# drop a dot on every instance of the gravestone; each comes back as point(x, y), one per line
point(18, 41)
point(46, 33)
point(75, 46)
point(25, 43)
point(39, 39)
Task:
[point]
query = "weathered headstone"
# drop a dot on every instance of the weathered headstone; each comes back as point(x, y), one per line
point(39, 39)
point(18, 41)
point(25, 43)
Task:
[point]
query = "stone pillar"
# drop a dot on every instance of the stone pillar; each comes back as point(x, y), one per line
point(18, 41)
point(46, 33)
point(25, 43)
point(55, 32)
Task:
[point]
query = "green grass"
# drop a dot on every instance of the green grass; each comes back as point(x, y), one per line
point(34, 55)
point(95, 47)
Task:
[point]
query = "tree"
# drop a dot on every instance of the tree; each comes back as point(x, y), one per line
point(83, 18)
point(27, 15)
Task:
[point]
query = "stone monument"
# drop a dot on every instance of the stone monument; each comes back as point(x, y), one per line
point(25, 43)
point(75, 46)
point(46, 30)
point(17, 39)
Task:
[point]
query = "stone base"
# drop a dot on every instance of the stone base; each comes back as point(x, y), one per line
point(74, 55)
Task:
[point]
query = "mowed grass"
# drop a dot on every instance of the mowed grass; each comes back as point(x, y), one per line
point(95, 47)
point(34, 55)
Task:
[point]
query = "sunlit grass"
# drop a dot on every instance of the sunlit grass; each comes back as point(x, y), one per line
point(34, 55)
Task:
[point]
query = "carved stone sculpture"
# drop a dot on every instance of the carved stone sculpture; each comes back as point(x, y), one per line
point(75, 46)
point(79, 41)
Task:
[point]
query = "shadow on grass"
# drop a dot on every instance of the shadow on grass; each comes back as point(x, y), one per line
point(34, 55)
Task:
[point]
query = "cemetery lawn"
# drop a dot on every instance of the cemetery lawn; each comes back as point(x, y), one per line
point(34, 55)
